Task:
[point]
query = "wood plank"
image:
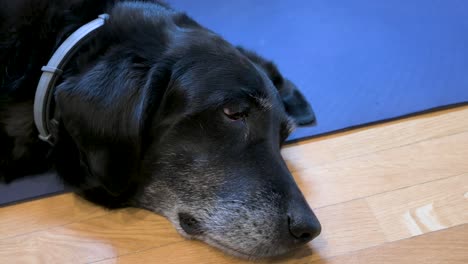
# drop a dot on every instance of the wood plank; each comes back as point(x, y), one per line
point(449, 246)
point(45, 213)
point(120, 232)
point(184, 252)
point(346, 227)
point(376, 138)
point(423, 208)
point(385, 171)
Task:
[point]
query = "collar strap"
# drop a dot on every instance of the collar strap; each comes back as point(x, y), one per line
point(51, 72)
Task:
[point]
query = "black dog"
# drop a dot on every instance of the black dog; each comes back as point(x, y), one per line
point(156, 111)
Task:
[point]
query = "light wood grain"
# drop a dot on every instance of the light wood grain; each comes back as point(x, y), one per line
point(383, 136)
point(346, 227)
point(363, 184)
point(114, 234)
point(185, 252)
point(449, 246)
point(384, 171)
point(46, 213)
point(423, 208)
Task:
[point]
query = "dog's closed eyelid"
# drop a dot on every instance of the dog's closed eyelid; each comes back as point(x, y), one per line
point(236, 111)
point(235, 114)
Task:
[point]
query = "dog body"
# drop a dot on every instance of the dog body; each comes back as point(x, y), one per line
point(157, 112)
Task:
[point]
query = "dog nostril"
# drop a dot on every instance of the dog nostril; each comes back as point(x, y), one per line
point(305, 236)
point(303, 231)
point(189, 224)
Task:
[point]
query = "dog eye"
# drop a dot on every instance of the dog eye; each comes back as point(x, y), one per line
point(234, 115)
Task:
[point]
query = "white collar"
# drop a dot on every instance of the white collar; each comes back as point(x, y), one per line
point(51, 72)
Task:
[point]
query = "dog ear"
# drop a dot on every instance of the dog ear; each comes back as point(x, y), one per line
point(294, 101)
point(105, 111)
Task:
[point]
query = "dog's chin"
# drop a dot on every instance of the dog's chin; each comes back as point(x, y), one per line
point(259, 254)
point(254, 255)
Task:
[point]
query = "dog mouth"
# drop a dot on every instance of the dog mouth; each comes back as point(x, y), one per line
point(190, 224)
point(191, 228)
point(255, 254)
point(230, 250)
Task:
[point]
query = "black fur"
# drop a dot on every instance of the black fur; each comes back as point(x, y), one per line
point(148, 100)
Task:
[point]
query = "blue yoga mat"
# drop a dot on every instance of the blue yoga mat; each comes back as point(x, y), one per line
point(357, 62)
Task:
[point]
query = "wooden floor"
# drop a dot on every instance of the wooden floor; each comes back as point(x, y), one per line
point(390, 193)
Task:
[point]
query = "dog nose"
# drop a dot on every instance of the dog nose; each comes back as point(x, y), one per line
point(304, 226)
point(304, 230)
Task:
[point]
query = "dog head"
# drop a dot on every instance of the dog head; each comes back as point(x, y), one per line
point(170, 117)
